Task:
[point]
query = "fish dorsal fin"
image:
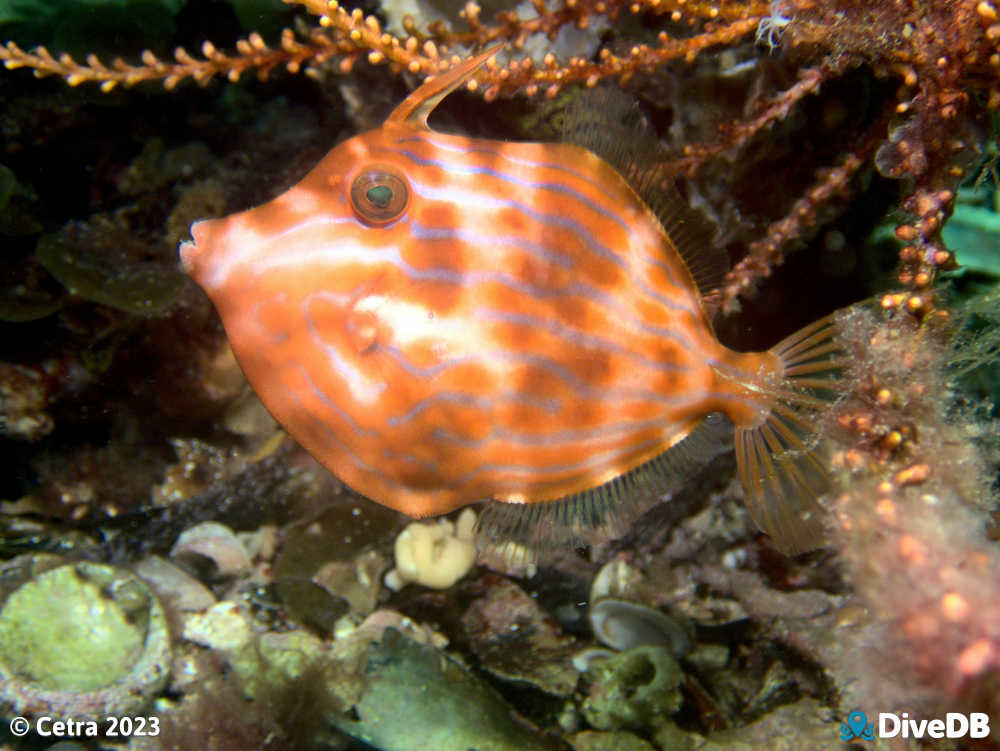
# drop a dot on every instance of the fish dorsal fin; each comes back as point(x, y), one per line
point(417, 107)
point(607, 121)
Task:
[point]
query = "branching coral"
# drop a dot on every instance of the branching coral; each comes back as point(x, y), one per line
point(347, 36)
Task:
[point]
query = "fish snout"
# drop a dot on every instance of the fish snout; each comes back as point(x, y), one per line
point(206, 256)
point(193, 253)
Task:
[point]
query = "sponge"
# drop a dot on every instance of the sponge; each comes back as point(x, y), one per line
point(434, 554)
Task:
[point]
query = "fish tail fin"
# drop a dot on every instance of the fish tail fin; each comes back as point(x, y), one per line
point(781, 460)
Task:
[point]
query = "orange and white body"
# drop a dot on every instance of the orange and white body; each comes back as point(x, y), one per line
point(441, 319)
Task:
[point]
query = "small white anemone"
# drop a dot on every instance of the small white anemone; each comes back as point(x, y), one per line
point(434, 554)
point(771, 27)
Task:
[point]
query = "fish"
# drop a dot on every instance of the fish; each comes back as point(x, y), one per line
point(442, 320)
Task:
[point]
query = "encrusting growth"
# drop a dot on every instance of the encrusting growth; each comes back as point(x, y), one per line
point(911, 518)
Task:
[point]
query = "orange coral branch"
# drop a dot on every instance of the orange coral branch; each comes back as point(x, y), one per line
point(738, 133)
point(349, 35)
point(767, 253)
point(252, 54)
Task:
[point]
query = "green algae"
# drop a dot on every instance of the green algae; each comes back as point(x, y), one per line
point(142, 289)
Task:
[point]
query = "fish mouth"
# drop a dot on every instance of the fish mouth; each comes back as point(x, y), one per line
point(193, 252)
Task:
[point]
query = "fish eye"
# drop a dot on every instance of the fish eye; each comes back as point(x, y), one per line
point(379, 194)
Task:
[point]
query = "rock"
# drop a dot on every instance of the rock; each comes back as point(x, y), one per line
point(357, 581)
point(221, 627)
point(180, 592)
point(216, 542)
point(416, 697)
point(619, 740)
point(805, 724)
point(516, 640)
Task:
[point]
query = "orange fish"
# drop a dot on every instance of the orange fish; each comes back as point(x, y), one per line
point(441, 320)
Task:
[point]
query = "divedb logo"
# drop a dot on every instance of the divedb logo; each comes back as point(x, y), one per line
point(890, 725)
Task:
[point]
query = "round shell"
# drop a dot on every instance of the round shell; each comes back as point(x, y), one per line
point(82, 640)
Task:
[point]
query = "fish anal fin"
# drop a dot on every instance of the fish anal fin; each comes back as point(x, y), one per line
point(520, 534)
